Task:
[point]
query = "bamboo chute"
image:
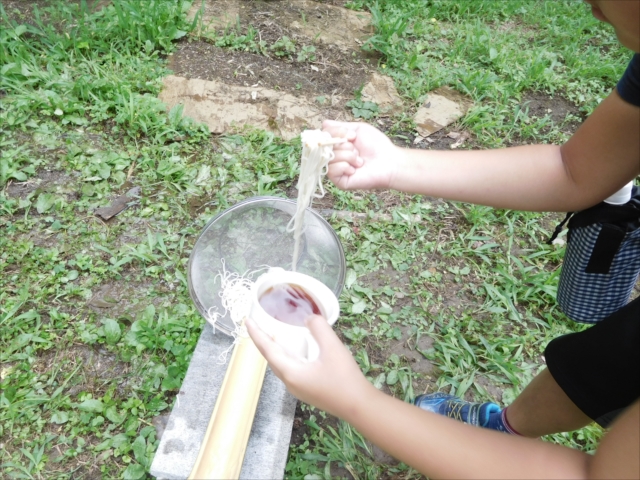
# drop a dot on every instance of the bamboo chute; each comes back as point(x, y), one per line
point(225, 441)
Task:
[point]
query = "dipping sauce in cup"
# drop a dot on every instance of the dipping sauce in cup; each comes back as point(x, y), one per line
point(288, 303)
point(282, 300)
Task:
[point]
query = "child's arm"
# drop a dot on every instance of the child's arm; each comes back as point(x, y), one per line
point(436, 446)
point(602, 156)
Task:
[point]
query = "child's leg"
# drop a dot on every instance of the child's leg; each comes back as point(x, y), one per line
point(543, 408)
point(591, 376)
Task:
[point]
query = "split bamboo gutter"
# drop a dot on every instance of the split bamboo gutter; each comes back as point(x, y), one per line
point(225, 441)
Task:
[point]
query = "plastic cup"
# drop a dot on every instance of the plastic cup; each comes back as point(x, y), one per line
point(295, 340)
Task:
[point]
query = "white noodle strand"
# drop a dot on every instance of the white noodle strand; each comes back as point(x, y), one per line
point(235, 289)
point(236, 299)
point(317, 152)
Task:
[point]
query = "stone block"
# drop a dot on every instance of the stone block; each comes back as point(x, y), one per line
point(268, 446)
point(442, 107)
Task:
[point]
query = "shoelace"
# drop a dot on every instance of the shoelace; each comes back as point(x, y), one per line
point(455, 411)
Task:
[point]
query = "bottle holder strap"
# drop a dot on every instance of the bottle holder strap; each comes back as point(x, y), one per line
point(604, 251)
point(558, 229)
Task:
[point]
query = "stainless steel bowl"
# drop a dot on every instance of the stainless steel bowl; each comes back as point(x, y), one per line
point(251, 236)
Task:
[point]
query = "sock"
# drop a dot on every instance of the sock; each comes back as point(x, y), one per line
point(498, 421)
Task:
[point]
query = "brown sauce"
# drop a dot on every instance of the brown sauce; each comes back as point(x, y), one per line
point(288, 303)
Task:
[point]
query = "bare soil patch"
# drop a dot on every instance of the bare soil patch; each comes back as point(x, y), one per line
point(45, 180)
point(122, 299)
point(409, 348)
point(23, 11)
point(303, 21)
point(94, 367)
point(335, 33)
point(557, 108)
point(335, 73)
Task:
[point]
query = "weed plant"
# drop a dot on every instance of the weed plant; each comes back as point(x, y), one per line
point(79, 109)
point(497, 52)
point(96, 325)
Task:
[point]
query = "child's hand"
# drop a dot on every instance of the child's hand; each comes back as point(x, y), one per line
point(332, 383)
point(368, 160)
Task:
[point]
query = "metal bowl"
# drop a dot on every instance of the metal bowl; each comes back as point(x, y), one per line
point(250, 237)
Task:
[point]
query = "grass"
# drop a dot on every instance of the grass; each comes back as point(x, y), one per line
point(496, 52)
point(80, 123)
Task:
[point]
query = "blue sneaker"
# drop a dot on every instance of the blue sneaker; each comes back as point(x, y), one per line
point(472, 413)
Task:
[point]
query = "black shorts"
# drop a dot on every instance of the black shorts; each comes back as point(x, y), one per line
point(599, 368)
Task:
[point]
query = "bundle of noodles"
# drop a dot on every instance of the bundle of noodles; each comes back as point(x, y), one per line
point(317, 152)
point(236, 300)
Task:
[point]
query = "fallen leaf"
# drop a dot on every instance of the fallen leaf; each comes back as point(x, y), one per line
point(461, 138)
point(119, 204)
point(453, 135)
point(418, 139)
point(106, 302)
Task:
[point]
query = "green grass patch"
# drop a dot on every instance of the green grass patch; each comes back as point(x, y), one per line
point(80, 123)
point(496, 52)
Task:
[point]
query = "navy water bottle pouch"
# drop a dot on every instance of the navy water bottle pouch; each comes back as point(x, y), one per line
point(602, 260)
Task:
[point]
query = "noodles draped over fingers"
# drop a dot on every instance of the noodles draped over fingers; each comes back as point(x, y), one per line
point(317, 152)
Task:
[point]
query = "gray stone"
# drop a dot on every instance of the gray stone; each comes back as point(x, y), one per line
point(268, 445)
point(442, 107)
point(382, 91)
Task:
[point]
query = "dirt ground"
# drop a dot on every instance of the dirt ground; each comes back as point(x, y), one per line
point(339, 70)
point(339, 67)
point(322, 85)
point(24, 11)
point(336, 73)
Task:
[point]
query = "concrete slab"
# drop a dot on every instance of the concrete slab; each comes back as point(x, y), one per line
point(268, 445)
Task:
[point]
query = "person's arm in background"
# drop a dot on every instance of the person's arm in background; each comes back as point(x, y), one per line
point(600, 158)
point(437, 446)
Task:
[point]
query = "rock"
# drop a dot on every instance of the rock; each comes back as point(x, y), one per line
point(222, 107)
point(442, 107)
point(339, 26)
point(382, 91)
